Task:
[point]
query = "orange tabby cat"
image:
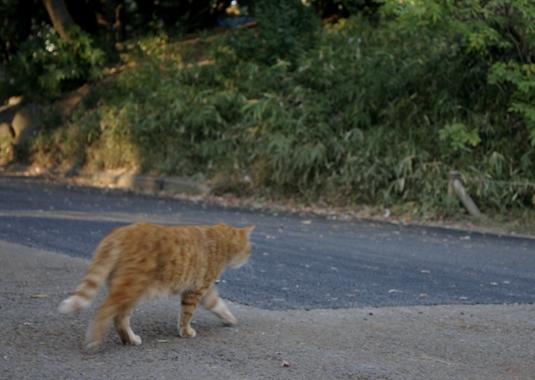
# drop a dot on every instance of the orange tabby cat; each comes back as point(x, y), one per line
point(145, 260)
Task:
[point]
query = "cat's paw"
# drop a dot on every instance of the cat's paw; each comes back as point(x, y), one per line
point(186, 332)
point(73, 303)
point(229, 320)
point(92, 345)
point(134, 340)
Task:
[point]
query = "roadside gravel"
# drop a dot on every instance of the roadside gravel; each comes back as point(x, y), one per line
point(436, 342)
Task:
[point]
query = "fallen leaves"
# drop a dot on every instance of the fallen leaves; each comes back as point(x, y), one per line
point(285, 364)
point(40, 296)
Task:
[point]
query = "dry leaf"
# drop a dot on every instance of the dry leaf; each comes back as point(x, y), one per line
point(285, 363)
point(40, 296)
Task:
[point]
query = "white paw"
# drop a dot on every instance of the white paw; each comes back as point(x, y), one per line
point(66, 306)
point(229, 320)
point(93, 345)
point(73, 303)
point(135, 340)
point(187, 332)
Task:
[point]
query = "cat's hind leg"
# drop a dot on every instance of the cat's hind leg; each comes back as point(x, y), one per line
point(212, 302)
point(117, 306)
point(99, 326)
point(122, 325)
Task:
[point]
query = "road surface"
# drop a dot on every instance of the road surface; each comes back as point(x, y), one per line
point(298, 262)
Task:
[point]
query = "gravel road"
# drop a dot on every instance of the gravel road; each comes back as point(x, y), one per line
point(417, 342)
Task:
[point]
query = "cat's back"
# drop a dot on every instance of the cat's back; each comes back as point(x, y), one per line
point(168, 242)
point(145, 233)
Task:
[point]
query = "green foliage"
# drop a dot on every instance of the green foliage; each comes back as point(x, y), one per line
point(458, 136)
point(8, 30)
point(498, 35)
point(47, 65)
point(352, 5)
point(360, 113)
point(286, 28)
point(522, 78)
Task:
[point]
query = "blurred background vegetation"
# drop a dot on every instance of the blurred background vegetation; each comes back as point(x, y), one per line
point(339, 101)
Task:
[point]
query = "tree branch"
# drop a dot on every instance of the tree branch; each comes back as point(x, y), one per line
point(60, 17)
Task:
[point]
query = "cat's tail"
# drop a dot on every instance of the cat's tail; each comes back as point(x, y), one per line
point(101, 267)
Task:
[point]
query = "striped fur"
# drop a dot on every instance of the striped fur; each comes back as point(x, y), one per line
point(145, 260)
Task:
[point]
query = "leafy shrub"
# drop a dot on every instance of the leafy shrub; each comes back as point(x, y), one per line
point(46, 65)
point(286, 28)
point(366, 113)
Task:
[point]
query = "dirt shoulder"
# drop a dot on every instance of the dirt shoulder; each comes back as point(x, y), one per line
point(439, 342)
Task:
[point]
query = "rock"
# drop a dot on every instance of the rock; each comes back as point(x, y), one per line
point(6, 131)
point(139, 183)
point(184, 186)
point(22, 119)
point(25, 123)
point(7, 136)
point(15, 100)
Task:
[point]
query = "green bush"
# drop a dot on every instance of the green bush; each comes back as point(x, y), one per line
point(286, 29)
point(363, 114)
point(47, 65)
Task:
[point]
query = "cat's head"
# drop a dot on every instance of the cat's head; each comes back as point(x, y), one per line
point(241, 246)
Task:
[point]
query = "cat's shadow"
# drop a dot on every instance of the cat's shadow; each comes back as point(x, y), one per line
point(158, 320)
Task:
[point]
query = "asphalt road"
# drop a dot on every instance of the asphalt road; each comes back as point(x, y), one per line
point(298, 262)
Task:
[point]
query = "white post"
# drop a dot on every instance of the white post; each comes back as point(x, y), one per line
point(455, 187)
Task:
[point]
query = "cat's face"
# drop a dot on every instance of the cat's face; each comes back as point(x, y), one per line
point(244, 248)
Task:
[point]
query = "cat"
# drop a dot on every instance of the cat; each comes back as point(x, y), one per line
point(145, 260)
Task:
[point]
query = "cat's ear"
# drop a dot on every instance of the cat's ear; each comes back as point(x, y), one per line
point(249, 229)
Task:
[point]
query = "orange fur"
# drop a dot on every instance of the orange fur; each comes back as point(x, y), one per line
point(145, 260)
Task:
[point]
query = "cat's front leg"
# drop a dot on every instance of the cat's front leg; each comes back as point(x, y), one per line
point(188, 305)
point(212, 302)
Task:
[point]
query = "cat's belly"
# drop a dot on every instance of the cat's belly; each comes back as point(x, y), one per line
point(158, 292)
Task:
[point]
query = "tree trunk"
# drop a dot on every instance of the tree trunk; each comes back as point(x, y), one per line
point(120, 21)
point(60, 17)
